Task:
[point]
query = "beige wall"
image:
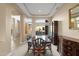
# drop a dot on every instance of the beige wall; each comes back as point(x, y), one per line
point(3, 42)
point(6, 10)
point(63, 16)
point(5, 31)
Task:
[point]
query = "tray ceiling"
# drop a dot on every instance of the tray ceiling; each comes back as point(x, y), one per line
point(39, 9)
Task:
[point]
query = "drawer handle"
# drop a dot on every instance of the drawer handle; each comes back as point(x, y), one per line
point(69, 48)
point(69, 42)
point(68, 54)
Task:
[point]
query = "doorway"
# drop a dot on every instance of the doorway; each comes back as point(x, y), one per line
point(15, 31)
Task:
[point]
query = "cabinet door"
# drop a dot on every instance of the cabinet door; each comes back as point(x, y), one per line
point(77, 49)
point(68, 48)
point(77, 52)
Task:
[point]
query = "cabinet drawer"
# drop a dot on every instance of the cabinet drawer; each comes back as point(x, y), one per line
point(67, 53)
point(68, 48)
point(67, 42)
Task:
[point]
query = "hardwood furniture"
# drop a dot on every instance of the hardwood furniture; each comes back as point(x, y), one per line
point(77, 49)
point(39, 47)
point(29, 44)
point(68, 46)
point(47, 41)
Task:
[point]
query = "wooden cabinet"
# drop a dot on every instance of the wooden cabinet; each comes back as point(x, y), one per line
point(70, 48)
point(77, 49)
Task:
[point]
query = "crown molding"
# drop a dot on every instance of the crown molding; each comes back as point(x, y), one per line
point(26, 11)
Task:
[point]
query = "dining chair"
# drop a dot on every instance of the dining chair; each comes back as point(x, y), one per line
point(39, 47)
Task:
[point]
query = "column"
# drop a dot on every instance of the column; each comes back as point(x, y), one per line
point(22, 29)
point(33, 27)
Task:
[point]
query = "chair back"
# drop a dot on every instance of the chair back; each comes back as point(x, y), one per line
point(38, 46)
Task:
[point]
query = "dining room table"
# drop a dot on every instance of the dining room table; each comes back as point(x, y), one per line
point(45, 38)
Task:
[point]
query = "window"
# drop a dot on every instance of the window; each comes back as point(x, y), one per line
point(28, 20)
point(40, 21)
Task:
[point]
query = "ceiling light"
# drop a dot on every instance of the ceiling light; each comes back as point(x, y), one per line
point(39, 10)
